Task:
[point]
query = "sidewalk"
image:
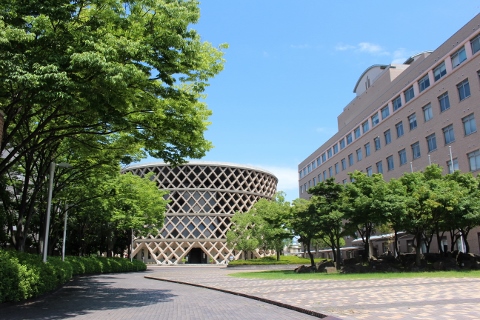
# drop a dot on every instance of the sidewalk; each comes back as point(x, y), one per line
point(413, 298)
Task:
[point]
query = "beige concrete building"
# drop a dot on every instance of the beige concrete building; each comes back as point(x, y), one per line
point(406, 116)
point(203, 196)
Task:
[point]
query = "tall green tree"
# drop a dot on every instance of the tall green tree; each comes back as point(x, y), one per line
point(365, 206)
point(305, 223)
point(328, 203)
point(101, 73)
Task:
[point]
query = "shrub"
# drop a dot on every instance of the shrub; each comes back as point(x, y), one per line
point(25, 276)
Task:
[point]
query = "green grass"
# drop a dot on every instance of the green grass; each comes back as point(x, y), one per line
point(273, 260)
point(291, 275)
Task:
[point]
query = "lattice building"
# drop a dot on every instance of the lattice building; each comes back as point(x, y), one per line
point(203, 197)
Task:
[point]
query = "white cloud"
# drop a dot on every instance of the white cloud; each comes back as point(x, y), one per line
point(371, 48)
point(300, 46)
point(344, 47)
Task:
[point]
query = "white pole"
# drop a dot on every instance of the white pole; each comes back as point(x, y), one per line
point(429, 160)
point(411, 167)
point(49, 205)
point(131, 247)
point(64, 232)
point(451, 158)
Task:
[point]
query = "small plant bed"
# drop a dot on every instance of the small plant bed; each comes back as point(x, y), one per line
point(25, 276)
point(292, 275)
point(273, 260)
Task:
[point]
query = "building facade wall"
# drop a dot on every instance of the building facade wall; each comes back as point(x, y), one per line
point(393, 83)
point(203, 197)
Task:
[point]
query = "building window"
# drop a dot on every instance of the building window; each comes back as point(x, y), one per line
point(314, 181)
point(444, 102)
point(337, 168)
point(349, 138)
point(424, 83)
point(390, 165)
point(375, 120)
point(412, 120)
point(330, 172)
point(320, 177)
point(300, 174)
point(309, 169)
point(388, 137)
point(367, 149)
point(342, 144)
point(458, 57)
point(455, 165)
point(469, 124)
point(448, 134)
point(365, 126)
point(344, 164)
point(402, 156)
point(357, 133)
point(427, 112)
point(324, 157)
point(432, 142)
point(409, 94)
point(377, 143)
point(474, 159)
point(324, 175)
point(399, 127)
point(329, 152)
point(344, 181)
point(416, 150)
point(385, 112)
point(369, 171)
point(439, 71)
point(359, 154)
point(463, 89)
point(350, 159)
point(379, 167)
point(304, 171)
point(335, 148)
point(319, 161)
point(475, 42)
point(397, 103)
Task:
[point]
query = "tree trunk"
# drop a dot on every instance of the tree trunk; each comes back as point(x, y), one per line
point(418, 249)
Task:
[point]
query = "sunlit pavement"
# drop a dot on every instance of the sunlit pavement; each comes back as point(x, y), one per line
point(412, 298)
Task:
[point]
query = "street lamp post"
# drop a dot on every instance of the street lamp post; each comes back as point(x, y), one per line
point(49, 204)
point(64, 231)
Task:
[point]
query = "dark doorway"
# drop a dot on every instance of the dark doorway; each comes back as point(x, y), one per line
point(196, 255)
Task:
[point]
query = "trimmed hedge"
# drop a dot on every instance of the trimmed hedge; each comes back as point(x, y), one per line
point(25, 276)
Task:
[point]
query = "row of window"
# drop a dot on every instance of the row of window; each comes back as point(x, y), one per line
point(438, 72)
point(469, 127)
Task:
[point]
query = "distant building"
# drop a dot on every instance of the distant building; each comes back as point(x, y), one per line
point(407, 116)
point(203, 197)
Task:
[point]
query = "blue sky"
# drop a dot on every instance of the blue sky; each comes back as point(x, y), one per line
point(291, 68)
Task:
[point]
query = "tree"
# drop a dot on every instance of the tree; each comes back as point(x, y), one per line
point(395, 209)
point(263, 226)
point(365, 205)
point(327, 201)
point(103, 74)
point(242, 233)
point(304, 223)
point(271, 228)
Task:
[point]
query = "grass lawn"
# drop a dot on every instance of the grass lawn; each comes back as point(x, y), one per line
point(273, 260)
point(291, 275)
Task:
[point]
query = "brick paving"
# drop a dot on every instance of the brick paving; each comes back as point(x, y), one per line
point(412, 298)
point(132, 296)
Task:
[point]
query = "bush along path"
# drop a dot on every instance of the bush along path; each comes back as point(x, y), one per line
point(25, 276)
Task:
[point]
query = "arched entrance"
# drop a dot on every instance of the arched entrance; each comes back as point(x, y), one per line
point(196, 255)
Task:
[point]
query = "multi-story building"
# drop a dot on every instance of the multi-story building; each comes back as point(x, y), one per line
point(407, 116)
point(203, 196)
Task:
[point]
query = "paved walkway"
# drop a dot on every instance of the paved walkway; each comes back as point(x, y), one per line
point(132, 296)
point(413, 298)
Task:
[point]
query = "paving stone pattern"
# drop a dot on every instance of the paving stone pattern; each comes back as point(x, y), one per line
point(132, 296)
point(412, 298)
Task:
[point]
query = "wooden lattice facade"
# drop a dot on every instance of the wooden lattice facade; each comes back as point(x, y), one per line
point(203, 197)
